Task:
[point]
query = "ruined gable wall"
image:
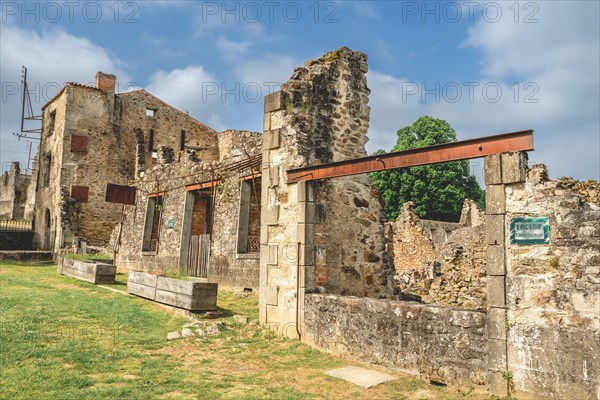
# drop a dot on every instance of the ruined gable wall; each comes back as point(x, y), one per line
point(553, 291)
point(318, 234)
point(167, 123)
point(327, 106)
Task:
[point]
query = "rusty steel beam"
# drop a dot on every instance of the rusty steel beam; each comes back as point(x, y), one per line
point(462, 150)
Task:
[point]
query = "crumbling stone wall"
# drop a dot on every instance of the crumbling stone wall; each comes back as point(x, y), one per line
point(553, 290)
point(171, 176)
point(441, 262)
point(329, 234)
point(162, 128)
point(14, 193)
point(327, 106)
point(439, 343)
point(228, 266)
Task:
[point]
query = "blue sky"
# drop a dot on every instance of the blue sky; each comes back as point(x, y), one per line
point(485, 67)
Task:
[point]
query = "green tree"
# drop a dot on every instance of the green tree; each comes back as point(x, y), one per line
point(438, 190)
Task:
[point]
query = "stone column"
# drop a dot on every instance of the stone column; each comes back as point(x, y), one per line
point(285, 222)
point(500, 170)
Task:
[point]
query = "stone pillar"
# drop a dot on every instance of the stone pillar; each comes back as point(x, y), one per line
point(284, 224)
point(500, 170)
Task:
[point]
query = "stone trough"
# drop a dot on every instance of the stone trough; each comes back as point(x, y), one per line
point(194, 294)
point(96, 272)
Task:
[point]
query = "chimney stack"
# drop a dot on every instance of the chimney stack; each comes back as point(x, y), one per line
point(105, 82)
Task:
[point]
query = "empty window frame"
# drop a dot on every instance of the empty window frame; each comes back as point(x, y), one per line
point(249, 217)
point(182, 141)
point(47, 165)
point(51, 122)
point(150, 112)
point(152, 225)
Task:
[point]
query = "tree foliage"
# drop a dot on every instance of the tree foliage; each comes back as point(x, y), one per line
point(437, 190)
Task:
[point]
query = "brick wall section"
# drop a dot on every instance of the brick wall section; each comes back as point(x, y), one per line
point(435, 342)
point(441, 262)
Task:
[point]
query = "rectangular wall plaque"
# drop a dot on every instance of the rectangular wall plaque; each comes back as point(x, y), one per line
point(531, 230)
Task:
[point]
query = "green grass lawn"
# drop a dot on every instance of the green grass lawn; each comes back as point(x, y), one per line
point(64, 339)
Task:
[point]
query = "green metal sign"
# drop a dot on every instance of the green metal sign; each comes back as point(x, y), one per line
point(170, 223)
point(530, 230)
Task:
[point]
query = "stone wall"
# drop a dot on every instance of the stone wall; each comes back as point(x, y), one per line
point(89, 139)
point(165, 125)
point(553, 290)
point(176, 179)
point(14, 193)
point(48, 195)
point(439, 343)
point(441, 262)
point(330, 234)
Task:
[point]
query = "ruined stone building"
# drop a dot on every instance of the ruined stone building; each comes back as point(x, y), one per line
point(16, 200)
point(199, 216)
point(92, 136)
point(326, 270)
point(494, 314)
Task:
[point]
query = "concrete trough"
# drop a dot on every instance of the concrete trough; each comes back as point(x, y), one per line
point(96, 272)
point(194, 294)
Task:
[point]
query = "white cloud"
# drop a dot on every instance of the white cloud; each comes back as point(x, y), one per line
point(53, 57)
point(268, 70)
point(232, 50)
point(191, 89)
point(558, 68)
